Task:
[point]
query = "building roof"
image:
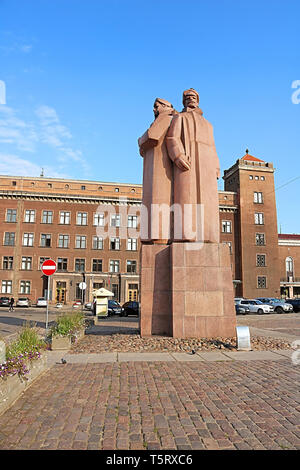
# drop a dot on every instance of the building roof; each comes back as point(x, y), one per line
point(289, 236)
point(251, 158)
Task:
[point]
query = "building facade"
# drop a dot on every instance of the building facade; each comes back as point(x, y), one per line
point(91, 229)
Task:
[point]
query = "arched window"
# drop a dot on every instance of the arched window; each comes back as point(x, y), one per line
point(289, 265)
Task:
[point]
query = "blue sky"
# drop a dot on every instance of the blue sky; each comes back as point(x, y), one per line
point(81, 78)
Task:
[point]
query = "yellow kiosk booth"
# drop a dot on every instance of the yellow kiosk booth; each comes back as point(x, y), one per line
point(101, 299)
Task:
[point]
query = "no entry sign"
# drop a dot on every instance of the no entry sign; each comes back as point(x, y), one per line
point(48, 267)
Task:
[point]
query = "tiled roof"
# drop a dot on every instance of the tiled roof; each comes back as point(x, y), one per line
point(251, 158)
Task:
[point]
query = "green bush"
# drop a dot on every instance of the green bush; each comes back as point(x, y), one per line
point(28, 340)
point(67, 325)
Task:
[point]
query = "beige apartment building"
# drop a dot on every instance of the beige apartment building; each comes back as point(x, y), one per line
point(91, 229)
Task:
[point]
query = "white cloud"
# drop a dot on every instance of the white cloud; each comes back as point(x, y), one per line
point(46, 129)
point(13, 165)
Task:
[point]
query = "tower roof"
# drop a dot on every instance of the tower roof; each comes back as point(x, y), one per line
point(251, 158)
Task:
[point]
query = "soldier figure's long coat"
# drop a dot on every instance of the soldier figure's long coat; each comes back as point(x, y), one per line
point(190, 136)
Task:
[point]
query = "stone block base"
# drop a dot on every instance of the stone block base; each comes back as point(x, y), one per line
point(187, 291)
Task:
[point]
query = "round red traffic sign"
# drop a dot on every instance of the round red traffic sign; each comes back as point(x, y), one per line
point(48, 267)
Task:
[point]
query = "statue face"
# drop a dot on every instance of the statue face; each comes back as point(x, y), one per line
point(158, 108)
point(190, 100)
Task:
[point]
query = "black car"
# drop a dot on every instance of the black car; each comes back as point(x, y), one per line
point(295, 303)
point(130, 308)
point(114, 308)
point(4, 301)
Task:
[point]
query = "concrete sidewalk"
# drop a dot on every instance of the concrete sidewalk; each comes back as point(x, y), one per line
point(94, 358)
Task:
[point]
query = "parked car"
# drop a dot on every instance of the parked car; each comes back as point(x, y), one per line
point(237, 300)
point(130, 308)
point(241, 309)
point(59, 305)
point(88, 306)
point(41, 302)
point(279, 305)
point(114, 308)
point(23, 302)
point(76, 304)
point(4, 301)
point(256, 306)
point(295, 303)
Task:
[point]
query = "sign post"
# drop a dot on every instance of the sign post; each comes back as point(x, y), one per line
point(82, 287)
point(48, 268)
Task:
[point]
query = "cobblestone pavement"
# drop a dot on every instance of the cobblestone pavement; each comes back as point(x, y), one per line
point(158, 405)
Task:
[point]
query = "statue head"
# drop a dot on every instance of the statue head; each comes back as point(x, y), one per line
point(162, 106)
point(190, 98)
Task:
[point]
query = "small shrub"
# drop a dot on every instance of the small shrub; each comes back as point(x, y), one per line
point(26, 348)
point(67, 325)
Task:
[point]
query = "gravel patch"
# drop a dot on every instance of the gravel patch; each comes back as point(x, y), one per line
point(135, 343)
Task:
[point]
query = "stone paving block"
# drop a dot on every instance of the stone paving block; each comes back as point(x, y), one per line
point(254, 356)
point(213, 356)
point(90, 358)
point(149, 357)
point(185, 357)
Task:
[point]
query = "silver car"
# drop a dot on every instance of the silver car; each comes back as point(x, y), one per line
point(280, 306)
point(256, 306)
point(23, 302)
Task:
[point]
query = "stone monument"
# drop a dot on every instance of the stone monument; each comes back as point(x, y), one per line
point(186, 278)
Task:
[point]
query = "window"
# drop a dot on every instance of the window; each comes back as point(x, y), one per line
point(226, 226)
point(115, 220)
point(6, 287)
point(81, 218)
point(99, 220)
point(26, 262)
point(97, 265)
point(64, 218)
point(132, 221)
point(49, 185)
point(260, 239)
point(258, 198)
point(117, 190)
point(262, 178)
point(115, 290)
point(8, 262)
point(257, 178)
point(45, 239)
point(259, 218)
point(289, 265)
point(80, 241)
point(79, 264)
point(14, 183)
point(250, 177)
point(11, 215)
point(63, 241)
point(98, 285)
point(82, 187)
point(42, 259)
point(97, 243)
point(9, 238)
point(29, 216)
point(25, 287)
point(114, 266)
point(260, 260)
point(132, 244)
point(47, 217)
point(131, 266)
point(261, 282)
point(115, 243)
point(62, 264)
point(28, 239)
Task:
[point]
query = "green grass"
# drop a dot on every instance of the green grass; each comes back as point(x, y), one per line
point(28, 340)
